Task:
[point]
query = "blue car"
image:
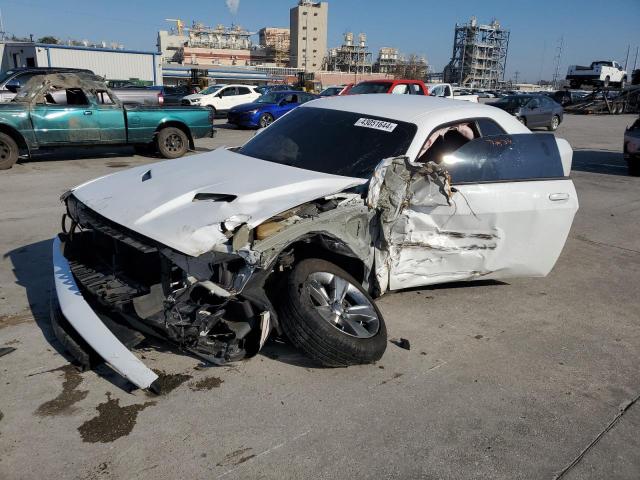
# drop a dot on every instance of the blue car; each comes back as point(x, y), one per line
point(267, 108)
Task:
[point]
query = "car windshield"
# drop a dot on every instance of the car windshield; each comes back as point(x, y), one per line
point(211, 89)
point(328, 92)
point(270, 97)
point(331, 141)
point(513, 101)
point(370, 87)
point(5, 75)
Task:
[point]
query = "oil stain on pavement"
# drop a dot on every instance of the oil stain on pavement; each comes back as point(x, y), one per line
point(112, 422)
point(70, 395)
point(206, 384)
point(168, 382)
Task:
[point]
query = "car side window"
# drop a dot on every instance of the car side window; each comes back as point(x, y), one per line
point(447, 91)
point(69, 96)
point(400, 89)
point(229, 92)
point(488, 127)
point(416, 89)
point(243, 91)
point(500, 158)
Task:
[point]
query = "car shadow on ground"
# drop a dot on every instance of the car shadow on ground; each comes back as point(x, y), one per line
point(600, 161)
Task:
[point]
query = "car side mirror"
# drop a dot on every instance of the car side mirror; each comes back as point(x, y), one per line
point(13, 86)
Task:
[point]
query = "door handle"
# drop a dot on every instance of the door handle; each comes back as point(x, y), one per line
point(556, 197)
point(88, 112)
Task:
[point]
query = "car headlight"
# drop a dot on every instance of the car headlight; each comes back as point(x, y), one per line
point(252, 112)
point(195, 100)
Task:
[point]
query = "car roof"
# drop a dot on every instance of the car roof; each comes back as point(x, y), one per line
point(406, 108)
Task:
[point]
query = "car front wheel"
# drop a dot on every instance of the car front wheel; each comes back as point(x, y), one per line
point(8, 151)
point(327, 314)
point(172, 142)
point(555, 123)
point(266, 119)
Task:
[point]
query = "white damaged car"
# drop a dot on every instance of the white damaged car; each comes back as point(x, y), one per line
point(298, 230)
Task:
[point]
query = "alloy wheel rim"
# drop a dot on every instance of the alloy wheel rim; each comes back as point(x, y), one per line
point(265, 121)
point(554, 123)
point(342, 305)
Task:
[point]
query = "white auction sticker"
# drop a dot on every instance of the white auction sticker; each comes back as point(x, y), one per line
point(377, 124)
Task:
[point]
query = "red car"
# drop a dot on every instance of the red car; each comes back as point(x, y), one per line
point(411, 87)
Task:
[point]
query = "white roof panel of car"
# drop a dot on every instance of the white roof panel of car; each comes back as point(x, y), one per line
point(416, 109)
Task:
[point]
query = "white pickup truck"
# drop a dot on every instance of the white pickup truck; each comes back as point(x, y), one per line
point(600, 73)
point(445, 90)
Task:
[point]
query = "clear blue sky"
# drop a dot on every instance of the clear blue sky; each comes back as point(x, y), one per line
point(592, 29)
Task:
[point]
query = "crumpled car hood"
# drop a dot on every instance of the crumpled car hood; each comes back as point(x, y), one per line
point(157, 200)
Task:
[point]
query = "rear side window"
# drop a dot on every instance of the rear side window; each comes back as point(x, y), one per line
point(488, 127)
point(243, 91)
point(502, 158)
point(416, 89)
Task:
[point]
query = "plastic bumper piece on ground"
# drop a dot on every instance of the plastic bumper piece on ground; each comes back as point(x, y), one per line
point(84, 320)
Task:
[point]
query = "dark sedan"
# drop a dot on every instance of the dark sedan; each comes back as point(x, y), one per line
point(533, 110)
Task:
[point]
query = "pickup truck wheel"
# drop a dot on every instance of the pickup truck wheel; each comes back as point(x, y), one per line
point(266, 119)
point(555, 123)
point(172, 142)
point(8, 151)
point(327, 314)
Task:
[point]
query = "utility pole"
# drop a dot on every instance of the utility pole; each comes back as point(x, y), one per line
point(516, 74)
point(635, 60)
point(556, 73)
point(2, 32)
point(626, 60)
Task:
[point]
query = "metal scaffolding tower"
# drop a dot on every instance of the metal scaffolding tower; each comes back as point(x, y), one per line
point(479, 55)
point(350, 57)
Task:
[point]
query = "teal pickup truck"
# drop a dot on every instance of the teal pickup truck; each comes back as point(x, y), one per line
point(67, 109)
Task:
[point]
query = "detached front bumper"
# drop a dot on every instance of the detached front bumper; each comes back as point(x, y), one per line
point(83, 320)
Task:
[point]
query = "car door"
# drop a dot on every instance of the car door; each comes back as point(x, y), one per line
point(64, 116)
point(244, 96)
point(508, 214)
point(110, 117)
point(288, 103)
point(536, 114)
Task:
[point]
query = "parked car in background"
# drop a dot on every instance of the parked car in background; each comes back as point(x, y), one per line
point(222, 98)
point(66, 109)
point(631, 148)
point(600, 73)
point(566, 97)
point(445, 90)
point(532, 110)
point(278, 87)
point(411, 87)
point(134, 95)
point(334, 90)
point(11, 81)
point(267, 108)
point(173, 95)
point(285, 232)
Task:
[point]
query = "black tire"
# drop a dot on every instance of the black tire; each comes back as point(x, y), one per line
point(321, 340)
point(265, 120)
point(555, 123)
point(172, 142)
point(634, 168)
point(213, 110)
point(9, 151)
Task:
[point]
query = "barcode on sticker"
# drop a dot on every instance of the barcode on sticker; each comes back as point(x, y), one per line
point(377, 124)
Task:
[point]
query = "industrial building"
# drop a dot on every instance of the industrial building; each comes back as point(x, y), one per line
point(387, 61)
point(276, 43)
point(308, 22)
point(203, 45)
point(479, 55)
point(350, 56)
point(112, 64)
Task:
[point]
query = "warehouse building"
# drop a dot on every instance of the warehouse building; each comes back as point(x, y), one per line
point(112, 64)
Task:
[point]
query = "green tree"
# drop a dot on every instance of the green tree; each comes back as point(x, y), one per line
point(49, 40)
